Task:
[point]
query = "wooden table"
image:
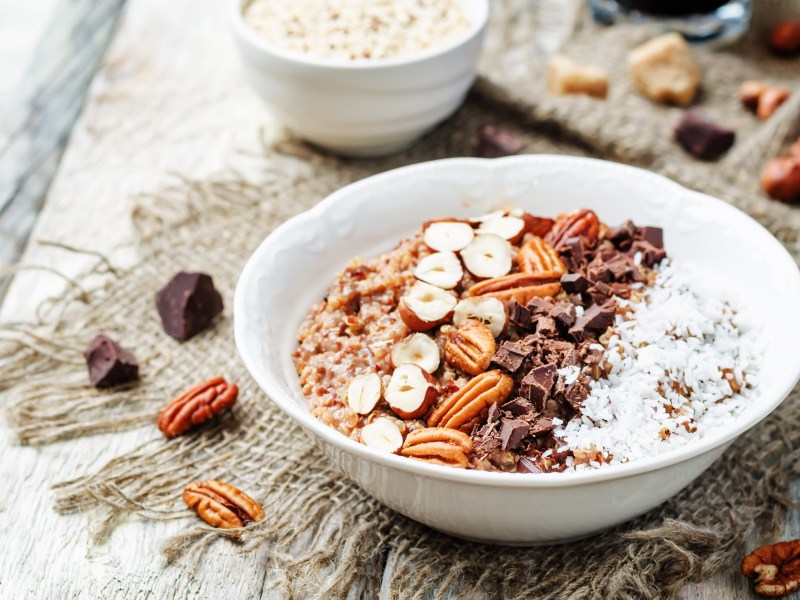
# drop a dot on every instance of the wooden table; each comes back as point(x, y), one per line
point(168, 99)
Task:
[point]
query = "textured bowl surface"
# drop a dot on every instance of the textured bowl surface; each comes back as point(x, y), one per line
point(294, 266)
point(362, 107)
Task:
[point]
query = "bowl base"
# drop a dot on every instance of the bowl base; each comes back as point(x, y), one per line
point(553, 542)
point(366, 150)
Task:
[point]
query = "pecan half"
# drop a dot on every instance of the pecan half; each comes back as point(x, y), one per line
point(583, 223)
point(438, 445)
point(775, 568)
point(222, 505)
point(521, 287)
point(537, 256)
point(537, 225)
point(472, 401)
point(470, 347)
point(196, 405)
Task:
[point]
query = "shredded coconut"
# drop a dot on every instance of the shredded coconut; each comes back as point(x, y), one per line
point(357, 29)
point(672, 359)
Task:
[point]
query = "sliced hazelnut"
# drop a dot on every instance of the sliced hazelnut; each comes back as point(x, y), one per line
point(488, 256)
point(382, 434)
point(442, 269)
point(495, 214)
point(410, 392)
point(489, 311)
point(425, 306)
point(417, 349)
point(507, 227)
point(363, 393)
point(445, 236)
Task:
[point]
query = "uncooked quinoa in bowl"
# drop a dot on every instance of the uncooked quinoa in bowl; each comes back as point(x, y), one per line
point(518, 343)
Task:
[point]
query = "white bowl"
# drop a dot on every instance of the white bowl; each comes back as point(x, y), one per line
point(362, 107)
point(295, 265)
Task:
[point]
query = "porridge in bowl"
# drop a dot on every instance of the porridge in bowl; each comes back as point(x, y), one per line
point(511, 342)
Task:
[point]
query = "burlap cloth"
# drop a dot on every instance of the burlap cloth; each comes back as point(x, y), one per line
point(347, 541)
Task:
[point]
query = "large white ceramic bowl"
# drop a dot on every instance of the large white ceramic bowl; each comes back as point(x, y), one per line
point(362, 107)
point(294, 266)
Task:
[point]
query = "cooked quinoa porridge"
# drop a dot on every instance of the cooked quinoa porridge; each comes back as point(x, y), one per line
point(517, 343)
point(357, 29)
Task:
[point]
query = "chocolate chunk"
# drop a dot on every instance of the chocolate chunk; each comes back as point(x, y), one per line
point(109, 363)
point(511, 355)
point(563, 314)
point(494, 414)
point(541, 426)
point(652, 235)
point(578, 331)
point(495, 142)
point(600, 317)
point(702, 137)
point(599, 292)
point(539, 307)
point(512, 432)
point(622, 236)
point(572, 253)
point(574, 283)
point(650, 254)
point(553, 350)
point(520, 315)
point(623, 290)
point(518, 407)
point(536, 385)
point(578, 390)
point(570, 358)
point(591, 356)
point(546, 326)
point(188, 304)
point(599, 272)
point(621, 267)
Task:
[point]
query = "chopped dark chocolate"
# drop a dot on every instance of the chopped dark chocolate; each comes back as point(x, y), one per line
point(494, 414)
point(578, 331)
point(622, 236)
point(541, 426)
point(496, 142)
point(621, 267)
point(109, 363)
point(570, 358)
point(649, 253)
point(564, 314)
point(600, 317)
point(520, 315)
point(652, 235)
point(188, 304)
point(512, 432)
point(511, 355)
point(546, 326)
point(578, 390)
point(539, 307)
point(571, 251)
point(599, 292)
point(591, 356)
point(702, 137)
point(536, 385)
point(574, 283)
point(518, 407)
point(553, 350)
point(599, 271)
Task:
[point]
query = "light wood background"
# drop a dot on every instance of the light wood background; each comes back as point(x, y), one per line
point(169, 99)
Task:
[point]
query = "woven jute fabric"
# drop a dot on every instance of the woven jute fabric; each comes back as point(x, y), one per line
point(324, 536)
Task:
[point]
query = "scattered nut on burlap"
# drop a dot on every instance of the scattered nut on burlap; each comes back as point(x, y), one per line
point(214, 225)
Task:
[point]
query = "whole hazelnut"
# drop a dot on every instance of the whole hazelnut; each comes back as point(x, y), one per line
point(750, 92)
point(785, 37)
point(769, 101)
point(781, 179)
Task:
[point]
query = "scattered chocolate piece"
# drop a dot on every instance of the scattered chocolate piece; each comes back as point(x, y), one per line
point(563, 314)
point(512, 432)
point(536, 385)
point(650, 254)
point(518, 407)
point(652, 235)
point(621, 267)
point(494, 414)
point(539, 307)
point(702, 137)
point(578, 390)
point(541, 426)
point(599, 292)
point(511, 355)
point(496, 142)
point(622, 236)
point(188, 304)
point(546, 326)
point(574, 283)
point(598, 271)
point(520, 315)
point(570, 358)
point(571, 251)
point(591, 356)
point(578, 331)
point(109, 363)
point(600, 317)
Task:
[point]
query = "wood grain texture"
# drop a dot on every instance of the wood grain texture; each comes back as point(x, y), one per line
point(168, 100)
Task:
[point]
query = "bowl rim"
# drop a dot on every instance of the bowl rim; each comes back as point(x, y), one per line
point(244, 32)
point(272, 388)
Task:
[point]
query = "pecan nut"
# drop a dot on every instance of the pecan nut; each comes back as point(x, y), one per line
point(196, 405)
point(222, 505)
point(470, 347)
point(438, 445)
point(521, 287)
point(581, 223)
point(775, 568)
point(537, 256)
point(472, 401)
point(537, 225)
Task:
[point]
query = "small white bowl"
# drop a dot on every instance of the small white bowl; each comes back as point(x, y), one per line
point(362, 107)
point(295, 265)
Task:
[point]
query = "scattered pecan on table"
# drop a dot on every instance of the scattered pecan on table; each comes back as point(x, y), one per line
point(222, 505)
point(197, 405)
point(774, 568)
